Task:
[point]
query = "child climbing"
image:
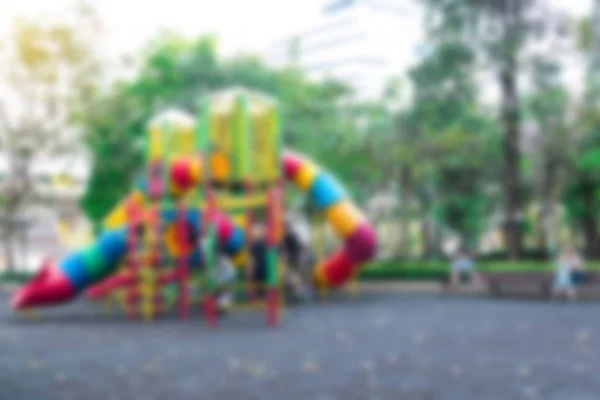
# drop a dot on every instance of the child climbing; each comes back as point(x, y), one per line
point(299, 261)
point(226, 275)
point(259, 263)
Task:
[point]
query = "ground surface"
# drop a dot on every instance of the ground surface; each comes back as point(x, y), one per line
point(377, 347)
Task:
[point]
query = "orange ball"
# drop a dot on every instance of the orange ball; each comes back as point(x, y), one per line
point(220, 168)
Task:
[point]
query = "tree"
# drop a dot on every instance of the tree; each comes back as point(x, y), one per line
point(548, 104)
point(176, 71)
point(500, 31)
point(450, 154)
point(50, 70)
point(581, 197)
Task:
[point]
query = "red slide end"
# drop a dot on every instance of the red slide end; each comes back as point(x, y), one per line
point(338, 269)
point(50, 286)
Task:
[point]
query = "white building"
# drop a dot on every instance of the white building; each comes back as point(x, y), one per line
point(362, 42)
point(54, 225)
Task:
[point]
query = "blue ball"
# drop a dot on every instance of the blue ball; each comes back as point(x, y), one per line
point(73, 267)
point(169, 215)
point(113, 245)
point(235, 242)
point(326, 191)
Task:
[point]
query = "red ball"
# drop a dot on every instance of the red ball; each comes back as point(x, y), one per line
point(185, 172)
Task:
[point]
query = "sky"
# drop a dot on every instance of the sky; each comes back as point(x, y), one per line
point(241, 25)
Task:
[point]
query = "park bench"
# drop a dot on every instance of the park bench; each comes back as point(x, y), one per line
point(539, 283)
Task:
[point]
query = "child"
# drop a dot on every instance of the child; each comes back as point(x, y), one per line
point(462, 265)
point(259, 262)
point(226, 274)
point(297, 271)
point(292, 247)
point(568, 262)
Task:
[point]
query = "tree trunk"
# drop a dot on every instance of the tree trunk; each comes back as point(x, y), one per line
point(23, 244)
point(407, 193)
point(547, 238)
point(8, 241)
point(436, 240)
point(511, 120)
point(513, 232)
point(541, 235)
point(589, 224)
point(426, 241)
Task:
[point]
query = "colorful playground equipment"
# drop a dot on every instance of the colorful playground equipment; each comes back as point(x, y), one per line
point(205, 185)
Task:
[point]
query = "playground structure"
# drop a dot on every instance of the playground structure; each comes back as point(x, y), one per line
point(205, 185)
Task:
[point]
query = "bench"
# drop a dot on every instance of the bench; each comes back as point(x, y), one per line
point(539, 283)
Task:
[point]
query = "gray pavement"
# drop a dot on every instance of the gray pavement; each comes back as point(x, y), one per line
point(381, 346)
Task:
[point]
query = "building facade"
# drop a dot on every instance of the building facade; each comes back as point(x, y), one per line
point(53, 223)
point(361, 42)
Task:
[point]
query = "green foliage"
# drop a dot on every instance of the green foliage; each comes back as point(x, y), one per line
point(442, 152)
point(439, 270)
point(450, 142)
point(178, 72)
point(499, 33)
point(585, 34)
point(590, 160)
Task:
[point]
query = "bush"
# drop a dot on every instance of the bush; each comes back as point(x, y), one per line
point(406, 270)
point(528, 255)
point(15, 276)
point(439, 270)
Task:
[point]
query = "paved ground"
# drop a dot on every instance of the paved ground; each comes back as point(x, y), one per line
point(379, 347)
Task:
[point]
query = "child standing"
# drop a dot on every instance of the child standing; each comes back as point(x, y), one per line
point(568, 262)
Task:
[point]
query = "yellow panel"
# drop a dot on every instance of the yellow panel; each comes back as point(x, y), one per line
point(120, 216)
point(221, 135)
point(306, 176)
point(181, 140)
point(117, 217)
point(240, 220)
point(260, 147)
point(255, 200)
point(273, 157)
point(171, 139)
point(187, 145)
point(265, 145)
point(155, 145)
point(344, 218)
